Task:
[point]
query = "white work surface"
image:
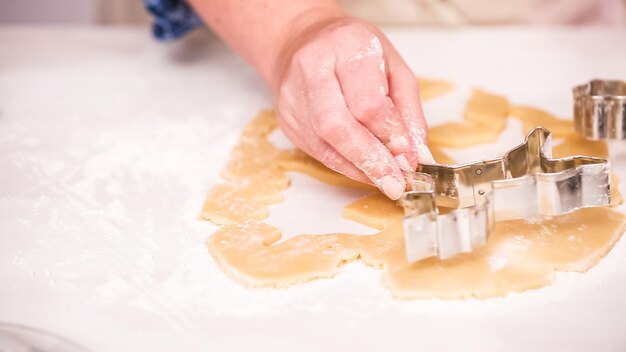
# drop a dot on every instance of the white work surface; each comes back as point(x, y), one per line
point(109, 142)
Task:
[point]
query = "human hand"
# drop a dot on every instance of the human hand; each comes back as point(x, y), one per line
point(345, 96)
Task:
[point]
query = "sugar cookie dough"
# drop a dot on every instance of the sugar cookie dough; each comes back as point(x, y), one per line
point(520, 255)
point(484, 119)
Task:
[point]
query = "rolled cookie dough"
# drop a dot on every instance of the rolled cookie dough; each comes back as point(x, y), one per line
point(484, 116)
point(519, 256)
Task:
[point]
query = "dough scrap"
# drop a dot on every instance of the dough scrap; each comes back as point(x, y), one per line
point(520, 255)
point(484, 119)
point(298, 161)
point(431, 89)
point(533, 117)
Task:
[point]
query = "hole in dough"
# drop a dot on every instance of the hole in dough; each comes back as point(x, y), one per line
point(313, 207)
point(279, 140)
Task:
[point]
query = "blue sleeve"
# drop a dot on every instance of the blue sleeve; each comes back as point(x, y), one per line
point(172, 18)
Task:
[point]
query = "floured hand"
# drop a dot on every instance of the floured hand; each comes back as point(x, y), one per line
point(345, 96)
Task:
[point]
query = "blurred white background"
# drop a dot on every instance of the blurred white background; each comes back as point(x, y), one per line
point(424, 12)
point(73, 12)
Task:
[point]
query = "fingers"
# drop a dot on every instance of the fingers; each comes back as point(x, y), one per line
point(323, 152)
point(403, 90)
point(364, 85)
point(334, 124)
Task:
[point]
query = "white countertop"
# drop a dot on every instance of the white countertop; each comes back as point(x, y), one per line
point(109, 142)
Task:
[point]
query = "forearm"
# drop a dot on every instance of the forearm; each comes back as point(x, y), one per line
point(259, 29)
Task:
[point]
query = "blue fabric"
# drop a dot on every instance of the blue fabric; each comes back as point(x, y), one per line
point(172, 18)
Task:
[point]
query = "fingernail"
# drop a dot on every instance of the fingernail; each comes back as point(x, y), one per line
point(391, 187)
point(424, 156)
point(403, 163)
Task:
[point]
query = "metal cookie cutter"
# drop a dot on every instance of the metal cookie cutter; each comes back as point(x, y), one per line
point(600, 109)
point(525, 183)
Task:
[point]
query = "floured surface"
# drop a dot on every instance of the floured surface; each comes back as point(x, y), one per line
point(519, 256)
point(99, 198)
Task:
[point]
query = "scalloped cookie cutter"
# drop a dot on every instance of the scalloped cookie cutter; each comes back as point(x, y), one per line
point(525, 183)
point(600, 109)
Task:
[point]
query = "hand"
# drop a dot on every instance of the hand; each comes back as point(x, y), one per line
point(346, 97)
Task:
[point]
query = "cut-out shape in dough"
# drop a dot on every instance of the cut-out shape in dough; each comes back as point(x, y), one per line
point(306, 208)
point(519, 256)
